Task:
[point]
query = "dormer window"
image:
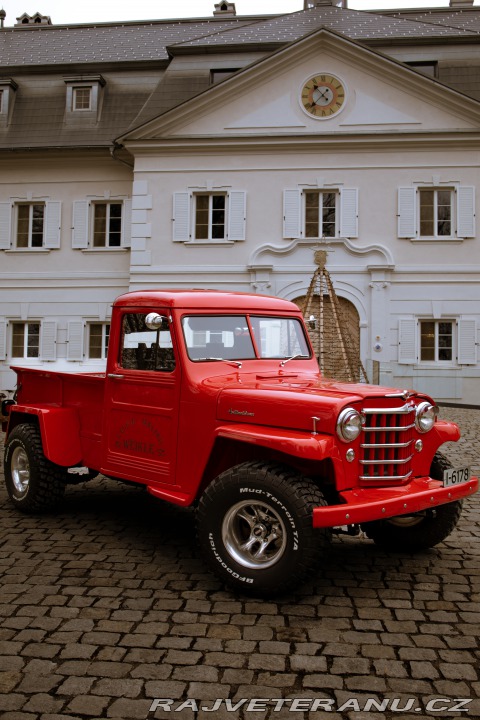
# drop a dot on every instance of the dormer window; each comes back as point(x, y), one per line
point(84, 99)
point(7, 96)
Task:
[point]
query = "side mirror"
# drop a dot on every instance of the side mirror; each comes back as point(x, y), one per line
point(154, 321)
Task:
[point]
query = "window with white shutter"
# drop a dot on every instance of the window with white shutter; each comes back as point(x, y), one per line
point(207, 216)
point(320, 213)
point(436, 212)
point(100, 223)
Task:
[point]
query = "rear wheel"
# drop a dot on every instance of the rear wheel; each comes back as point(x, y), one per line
point(33, 483)
point(254, 525)
point(422, 530)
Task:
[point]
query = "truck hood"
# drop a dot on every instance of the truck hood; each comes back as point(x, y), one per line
point(291, 401)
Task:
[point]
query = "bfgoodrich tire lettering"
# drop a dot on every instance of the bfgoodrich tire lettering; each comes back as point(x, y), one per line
point(411, 533)
point(33, 483)
point(254, 525)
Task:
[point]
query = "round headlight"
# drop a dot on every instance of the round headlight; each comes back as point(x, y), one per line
point(425, 417)
point(349, 424)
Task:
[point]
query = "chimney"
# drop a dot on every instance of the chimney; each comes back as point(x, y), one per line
point(227, 9)
point(307, 4)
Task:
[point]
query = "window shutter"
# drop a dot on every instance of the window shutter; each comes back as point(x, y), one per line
point(80, 225)
point(349, 212)
point(127, 223)
point(237, 215)
point(407, 341)
point(407, 220)
point(75, 340)
point(3, 339)
point(466, 211)
point(5, 225)
point(48, 340)
point(181, 216)
point(52, 225)
point(292, 213)
point(467, 341)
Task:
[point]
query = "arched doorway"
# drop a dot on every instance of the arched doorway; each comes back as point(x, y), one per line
point(335, 336)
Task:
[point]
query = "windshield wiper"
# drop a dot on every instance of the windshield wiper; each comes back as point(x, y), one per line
point(237, 363)
point(294, 357)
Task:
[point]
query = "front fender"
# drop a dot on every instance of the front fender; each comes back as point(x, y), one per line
point(305, 445)
point(59, 430)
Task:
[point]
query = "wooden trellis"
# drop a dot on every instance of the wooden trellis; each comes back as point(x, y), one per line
point(331, 336)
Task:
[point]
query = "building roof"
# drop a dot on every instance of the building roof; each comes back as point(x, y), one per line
point(357, 25)
point(37, 57)
point(38, 45)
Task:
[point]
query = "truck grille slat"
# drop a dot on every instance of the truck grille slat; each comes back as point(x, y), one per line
point(386, 446)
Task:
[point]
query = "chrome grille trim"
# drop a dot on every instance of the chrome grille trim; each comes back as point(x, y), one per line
point(388, 435)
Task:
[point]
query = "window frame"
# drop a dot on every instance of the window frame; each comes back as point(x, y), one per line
point(30, 204)
point(210, 225)
point(104, 340)
point(108, 219)
point(435, 220)
point(453, 361)
point(320, 193)
point(76, 90)
point(25, 325)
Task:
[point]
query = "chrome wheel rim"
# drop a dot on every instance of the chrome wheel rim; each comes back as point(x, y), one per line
point(20, 468)
point(254, 534)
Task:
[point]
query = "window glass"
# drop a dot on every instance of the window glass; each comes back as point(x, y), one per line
point(145, 349)
point(437, 341)
point(98, 340)
point(82, 98)
point(227, 337)
point(435, 213)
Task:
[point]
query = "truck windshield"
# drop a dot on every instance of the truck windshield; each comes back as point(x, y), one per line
point(228, 337)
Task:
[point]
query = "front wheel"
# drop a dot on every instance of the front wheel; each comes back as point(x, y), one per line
point(254, 525)
point(33, 483)
point(411, 533)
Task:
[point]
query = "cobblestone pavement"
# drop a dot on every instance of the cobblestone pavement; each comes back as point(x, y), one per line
point(106, 606)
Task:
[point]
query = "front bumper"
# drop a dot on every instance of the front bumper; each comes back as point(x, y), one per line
point(366, 504)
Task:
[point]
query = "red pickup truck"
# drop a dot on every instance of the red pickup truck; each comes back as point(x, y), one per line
point(215, 400)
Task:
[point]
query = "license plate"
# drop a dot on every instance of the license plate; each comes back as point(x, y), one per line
point(456, 476)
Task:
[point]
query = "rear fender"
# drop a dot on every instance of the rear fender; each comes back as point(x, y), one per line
point(59, 430)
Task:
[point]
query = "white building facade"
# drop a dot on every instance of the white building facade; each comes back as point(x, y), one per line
point(322, 142)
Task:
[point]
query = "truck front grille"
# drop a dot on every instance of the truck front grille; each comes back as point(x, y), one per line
point(387, 444)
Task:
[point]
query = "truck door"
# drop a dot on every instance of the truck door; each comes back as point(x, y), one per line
point(142, 397)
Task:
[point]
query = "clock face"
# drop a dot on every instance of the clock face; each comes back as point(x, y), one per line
point(323, 96)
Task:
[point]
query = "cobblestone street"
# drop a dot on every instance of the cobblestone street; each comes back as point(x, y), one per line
point(106, 606)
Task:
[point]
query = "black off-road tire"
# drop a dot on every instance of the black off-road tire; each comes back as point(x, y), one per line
point(254, 528)
point(412, 533)
point(34, 484)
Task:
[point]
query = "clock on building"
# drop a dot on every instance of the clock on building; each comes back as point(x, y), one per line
point(323, 96)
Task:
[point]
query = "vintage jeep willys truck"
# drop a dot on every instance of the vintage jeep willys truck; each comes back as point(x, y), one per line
point(215, 400)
